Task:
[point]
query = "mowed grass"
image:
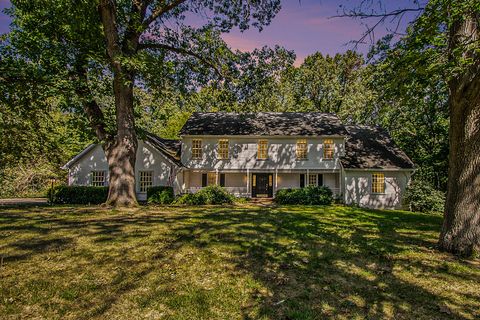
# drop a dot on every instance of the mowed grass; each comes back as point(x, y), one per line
point(242, 262)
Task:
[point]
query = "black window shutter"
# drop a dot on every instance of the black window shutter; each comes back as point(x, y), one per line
point(302, 180)
point(222, 179)
point(204, 179)
point(320, 180)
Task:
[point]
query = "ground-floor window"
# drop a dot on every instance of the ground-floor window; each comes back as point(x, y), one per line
point(98, 178)
point(312, 180)
point(378, 183)
point(145, 181)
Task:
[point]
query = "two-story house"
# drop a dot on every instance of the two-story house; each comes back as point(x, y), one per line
point(256, 154)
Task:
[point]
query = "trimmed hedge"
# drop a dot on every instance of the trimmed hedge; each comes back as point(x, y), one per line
point(308, 195)
point(207, 195)
point(420, 196)
point(160, 195)
point(78, 195)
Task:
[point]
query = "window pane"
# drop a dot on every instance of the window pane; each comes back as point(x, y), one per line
point(301, 149)
point(328, 149)
point(378, 183)
point(146, 180)
point(98, 178)
point(312, 180)
point(196, 149)
point(223, 149)
point(262, 149)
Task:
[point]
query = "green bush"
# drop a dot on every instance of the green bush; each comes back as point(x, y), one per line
point(420, 196)
point(309, 196)
point(207, 195)
point(160, 195)
point(77, 195)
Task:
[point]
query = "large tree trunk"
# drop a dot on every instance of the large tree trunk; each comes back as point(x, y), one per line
point(461, 227)
point(121, 152)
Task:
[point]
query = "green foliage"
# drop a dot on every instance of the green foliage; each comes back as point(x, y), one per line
point(77, 195)
point(420, 196)
point(308, 196)
point(160, 195)
point(207, 195)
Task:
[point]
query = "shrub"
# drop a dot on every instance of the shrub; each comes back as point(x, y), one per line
point(160, 195)
point(207, 195)
point(309, 196)
point(77, 195)
point(422, 197)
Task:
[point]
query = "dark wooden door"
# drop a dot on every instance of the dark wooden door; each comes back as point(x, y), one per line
point(262, 185)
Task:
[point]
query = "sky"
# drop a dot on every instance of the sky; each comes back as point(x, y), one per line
point(305, 26)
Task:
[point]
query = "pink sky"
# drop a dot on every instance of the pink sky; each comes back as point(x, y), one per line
point(304, 26)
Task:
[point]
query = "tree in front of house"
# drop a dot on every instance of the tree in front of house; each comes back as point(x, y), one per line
point(127, 44)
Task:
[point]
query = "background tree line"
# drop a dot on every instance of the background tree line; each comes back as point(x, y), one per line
point(360, 92)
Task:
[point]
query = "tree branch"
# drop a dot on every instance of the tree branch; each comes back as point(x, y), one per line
point(161, 10)
point(182, 51)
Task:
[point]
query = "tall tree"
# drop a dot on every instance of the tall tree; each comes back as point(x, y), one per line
point(449, 31)
point(127, 41)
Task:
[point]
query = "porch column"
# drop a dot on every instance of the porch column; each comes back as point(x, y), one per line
point(216, 177)
point(307, 178)
point(276, 184)
point(248, 182)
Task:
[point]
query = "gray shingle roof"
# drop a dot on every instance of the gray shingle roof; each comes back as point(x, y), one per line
point(264, 123)
point(372, 148)
point(169, 148)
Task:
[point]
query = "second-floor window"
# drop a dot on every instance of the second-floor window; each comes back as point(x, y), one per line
point(328, 149)
point(196, 149)
point(301, 150)
point(262, 150)
point(98, 178)
point(223, 149)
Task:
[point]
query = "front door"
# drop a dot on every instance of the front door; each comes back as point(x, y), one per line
point(262, 185)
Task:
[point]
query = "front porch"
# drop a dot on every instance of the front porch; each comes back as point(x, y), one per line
point(261, 183)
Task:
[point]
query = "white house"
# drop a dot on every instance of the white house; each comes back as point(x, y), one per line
point(256, 154)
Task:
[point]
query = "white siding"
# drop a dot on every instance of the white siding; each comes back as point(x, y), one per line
point(358, 189)
point(243, 154)
point(148, 159)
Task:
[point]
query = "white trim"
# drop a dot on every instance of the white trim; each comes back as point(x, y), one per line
point(79, 156)
point(374, 169)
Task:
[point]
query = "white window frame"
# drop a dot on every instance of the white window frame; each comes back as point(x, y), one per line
point(142, 184)
point(223, 149)
point(197, 149)
point(262, 146)
point(301, 149)
point(95, 182)
point(315, 177)
point(376, 184)
point(330, 150)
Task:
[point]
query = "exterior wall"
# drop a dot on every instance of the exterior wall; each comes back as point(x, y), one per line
point(148, 159)
point(358, 187)
point(243, 154)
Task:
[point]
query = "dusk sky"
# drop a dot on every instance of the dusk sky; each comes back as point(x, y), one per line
point(304, 26)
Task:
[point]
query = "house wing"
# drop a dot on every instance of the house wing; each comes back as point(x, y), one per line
point(372, 148)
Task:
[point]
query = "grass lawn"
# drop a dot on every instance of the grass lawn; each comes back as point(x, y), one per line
point(242, 262)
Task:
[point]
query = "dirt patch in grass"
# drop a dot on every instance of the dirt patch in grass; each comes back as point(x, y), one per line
point(241, 262)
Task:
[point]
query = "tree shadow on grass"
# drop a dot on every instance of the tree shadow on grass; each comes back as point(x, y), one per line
point(314, 268)
point(314, 262)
